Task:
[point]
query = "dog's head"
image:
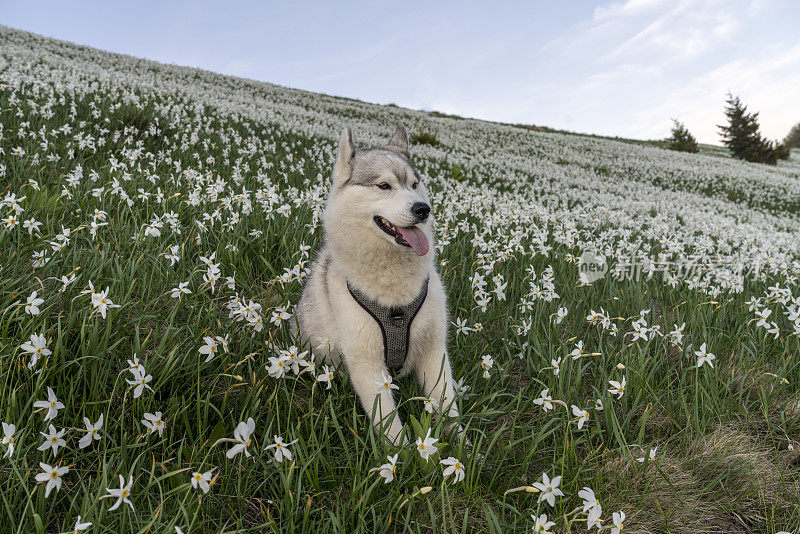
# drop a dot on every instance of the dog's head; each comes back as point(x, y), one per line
point(377, 194)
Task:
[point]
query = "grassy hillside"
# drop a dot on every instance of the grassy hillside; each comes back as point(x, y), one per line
point(152, 213)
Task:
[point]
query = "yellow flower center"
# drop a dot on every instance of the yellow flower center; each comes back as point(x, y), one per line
point(53, 404)
point(125, 493)
point(54, 474)
point(198, 477)
point(54, 439)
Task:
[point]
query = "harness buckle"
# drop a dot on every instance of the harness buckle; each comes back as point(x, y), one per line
point(398, 316)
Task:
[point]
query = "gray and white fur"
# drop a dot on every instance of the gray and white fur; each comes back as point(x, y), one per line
point(379, 239)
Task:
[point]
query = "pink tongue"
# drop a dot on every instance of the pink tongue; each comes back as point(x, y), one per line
point(416, 238)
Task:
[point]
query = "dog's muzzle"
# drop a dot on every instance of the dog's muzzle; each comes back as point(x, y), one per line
point(407, 236)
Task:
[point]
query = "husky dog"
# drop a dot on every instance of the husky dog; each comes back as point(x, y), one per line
point(373, 298)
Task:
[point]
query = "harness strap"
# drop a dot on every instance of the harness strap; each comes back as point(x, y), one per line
point(395, 323)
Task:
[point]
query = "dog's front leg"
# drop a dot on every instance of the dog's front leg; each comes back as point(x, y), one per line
point(367, 375)
point(436, 378)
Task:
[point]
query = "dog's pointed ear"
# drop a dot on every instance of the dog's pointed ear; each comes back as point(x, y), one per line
point(344, 160)
point(399, 141)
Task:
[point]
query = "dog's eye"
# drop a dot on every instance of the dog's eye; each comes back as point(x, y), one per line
point(414, 185)
point(384, 185)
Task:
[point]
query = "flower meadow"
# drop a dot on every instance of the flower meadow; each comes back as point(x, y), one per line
point(158, 223)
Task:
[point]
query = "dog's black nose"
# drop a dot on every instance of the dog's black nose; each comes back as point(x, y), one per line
point(421, 210)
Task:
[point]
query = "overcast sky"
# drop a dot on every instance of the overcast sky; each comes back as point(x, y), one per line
point(613, 68)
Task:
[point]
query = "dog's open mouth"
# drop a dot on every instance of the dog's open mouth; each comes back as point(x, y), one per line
point(408, 236)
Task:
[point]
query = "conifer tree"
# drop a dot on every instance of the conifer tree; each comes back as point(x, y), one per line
point(793, 137)
point(682, 140)
point(742, 137)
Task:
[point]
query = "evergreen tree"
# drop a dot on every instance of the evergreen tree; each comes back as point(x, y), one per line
point(783, 151)
point(793, 138)
point(742, 136)
point(682, 140)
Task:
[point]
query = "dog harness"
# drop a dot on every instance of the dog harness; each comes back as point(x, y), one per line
point(395, 323)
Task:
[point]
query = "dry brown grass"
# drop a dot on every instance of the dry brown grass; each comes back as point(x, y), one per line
point(721, 482)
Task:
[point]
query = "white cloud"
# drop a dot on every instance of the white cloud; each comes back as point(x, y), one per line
point(638, 63)
point(689, 29)
point(625, 9)
point(769, 87)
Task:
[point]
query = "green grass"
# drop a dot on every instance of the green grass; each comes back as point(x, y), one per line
point(424, 137)
point(723, 460)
